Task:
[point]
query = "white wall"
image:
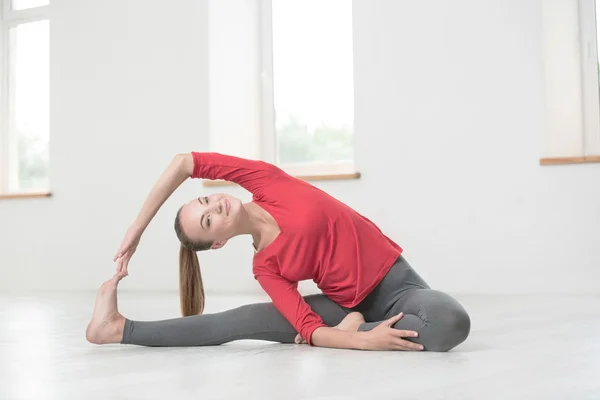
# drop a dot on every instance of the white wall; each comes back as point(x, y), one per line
point(233, 77)
point(128, 91)
point(449, 121)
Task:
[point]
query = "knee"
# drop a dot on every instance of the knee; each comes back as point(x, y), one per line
point(452, 331)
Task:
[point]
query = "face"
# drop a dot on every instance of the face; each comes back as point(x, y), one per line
point(211, 218)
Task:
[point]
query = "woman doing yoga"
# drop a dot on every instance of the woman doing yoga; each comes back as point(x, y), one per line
point(372, 299)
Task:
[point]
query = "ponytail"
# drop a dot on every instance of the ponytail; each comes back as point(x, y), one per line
point(191, 289)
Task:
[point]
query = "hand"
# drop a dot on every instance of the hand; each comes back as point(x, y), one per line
point(299, 339)
point(128, 247)
point(384, 337)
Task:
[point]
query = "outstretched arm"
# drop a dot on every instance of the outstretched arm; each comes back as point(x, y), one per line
point(251, 174)
point(180, 169)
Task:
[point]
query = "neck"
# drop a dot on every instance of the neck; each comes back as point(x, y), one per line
point(253, 221)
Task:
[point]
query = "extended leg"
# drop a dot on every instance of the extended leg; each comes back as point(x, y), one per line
point(255, 321)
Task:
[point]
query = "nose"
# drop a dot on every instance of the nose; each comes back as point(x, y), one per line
point(217, 208)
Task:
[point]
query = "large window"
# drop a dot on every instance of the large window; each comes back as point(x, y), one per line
point(24, 129)
point(281, 83)
point(588, 15)
point(308, 57)
point(572, 129)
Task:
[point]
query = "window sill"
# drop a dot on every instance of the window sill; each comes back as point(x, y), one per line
point(24, 195)
point(327, 177)
point(569, 160)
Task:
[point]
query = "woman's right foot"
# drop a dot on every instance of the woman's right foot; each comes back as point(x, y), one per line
point(107, 324)
point(351, 322)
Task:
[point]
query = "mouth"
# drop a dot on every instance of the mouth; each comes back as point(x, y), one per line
point(227, 206)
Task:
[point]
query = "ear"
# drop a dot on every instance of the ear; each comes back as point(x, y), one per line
point(219, 244)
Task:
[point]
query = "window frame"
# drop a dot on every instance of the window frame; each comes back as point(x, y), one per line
point(589, 68)
point(10, 19)
point(590, 87)
point(268, 133)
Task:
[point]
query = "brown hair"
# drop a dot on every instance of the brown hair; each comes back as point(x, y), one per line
point(191, 288)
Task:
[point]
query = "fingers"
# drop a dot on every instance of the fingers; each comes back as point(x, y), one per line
point(125, 265)
point(402, 333)
point(404, 344)
point(394, 319)
point(407, 345)
point(120, 265)
point(118, 276)
point(123, 262)
point(119, 254)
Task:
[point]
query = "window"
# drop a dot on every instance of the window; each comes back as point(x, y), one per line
point(281, 83)
point(308, 92)
point(307, 59)
point(24, 129)
point(571, 81)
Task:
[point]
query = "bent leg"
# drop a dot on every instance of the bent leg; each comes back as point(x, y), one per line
point(441, 321)
point(260, 321)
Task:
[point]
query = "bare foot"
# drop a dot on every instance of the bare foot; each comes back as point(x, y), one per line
point(107, 324)
point(351, 322)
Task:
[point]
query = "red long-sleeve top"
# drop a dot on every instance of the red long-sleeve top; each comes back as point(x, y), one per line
point(321, 239)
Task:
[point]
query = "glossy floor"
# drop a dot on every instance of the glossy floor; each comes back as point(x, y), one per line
point(521, 347)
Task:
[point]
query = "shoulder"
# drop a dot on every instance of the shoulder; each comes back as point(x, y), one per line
point(264, 265)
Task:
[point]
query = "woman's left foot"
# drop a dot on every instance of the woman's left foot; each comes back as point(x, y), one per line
point(107, 323)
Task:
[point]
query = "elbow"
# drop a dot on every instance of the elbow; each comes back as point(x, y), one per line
point(185, 162)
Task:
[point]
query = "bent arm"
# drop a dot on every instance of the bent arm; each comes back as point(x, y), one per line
point(307, 323)
point(252, 175)
point(177, 172)
point(338, 339)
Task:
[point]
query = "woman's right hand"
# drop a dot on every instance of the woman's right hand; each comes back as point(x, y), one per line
point(128, 247)
point(384, 337)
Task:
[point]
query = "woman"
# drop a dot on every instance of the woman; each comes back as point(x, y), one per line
point(372, 299)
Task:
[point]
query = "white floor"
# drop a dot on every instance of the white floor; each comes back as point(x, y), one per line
point(521, 347)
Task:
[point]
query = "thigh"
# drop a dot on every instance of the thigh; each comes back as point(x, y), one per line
point(442, 322)
point(427, 303)
point(399, 281)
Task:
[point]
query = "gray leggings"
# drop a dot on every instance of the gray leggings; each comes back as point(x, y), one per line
point(441, 321)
